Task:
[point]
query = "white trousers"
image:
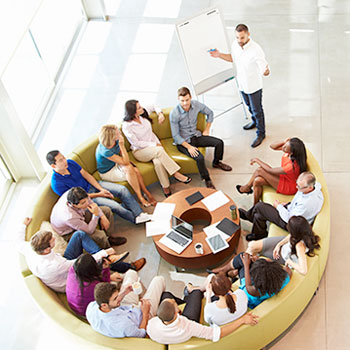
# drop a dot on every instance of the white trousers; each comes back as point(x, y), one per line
point(153, 293)
point(163, 163)
point(116, 174)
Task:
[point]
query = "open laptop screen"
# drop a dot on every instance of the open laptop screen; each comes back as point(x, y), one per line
point(181, 226)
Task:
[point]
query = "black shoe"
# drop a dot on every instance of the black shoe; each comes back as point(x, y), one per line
point(167, 194)
point(209, 184)
point(257, 141)
point(249, 126)
point(242, 214)
point(187, 181)
point(238, 187)
point(251, 237)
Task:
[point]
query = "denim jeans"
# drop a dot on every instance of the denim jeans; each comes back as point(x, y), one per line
point(129, 209)
point(81, 241)
point(254, 104)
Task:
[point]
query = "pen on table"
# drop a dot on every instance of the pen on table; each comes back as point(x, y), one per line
point(211, 50)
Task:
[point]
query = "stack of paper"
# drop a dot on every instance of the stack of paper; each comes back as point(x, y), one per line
point(161, 217)
point(215, 200)
point(154, 228)
point(163, 211)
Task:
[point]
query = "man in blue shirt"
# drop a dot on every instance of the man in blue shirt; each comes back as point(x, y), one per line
point(183, 122)
point(115, 312)
point(68, 174)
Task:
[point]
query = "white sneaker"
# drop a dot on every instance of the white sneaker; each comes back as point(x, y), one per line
point(143, 217)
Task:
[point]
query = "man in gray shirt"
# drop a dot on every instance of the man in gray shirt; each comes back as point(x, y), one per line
point(183, 122)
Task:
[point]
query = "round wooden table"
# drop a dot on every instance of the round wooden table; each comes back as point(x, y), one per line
point(192, 213)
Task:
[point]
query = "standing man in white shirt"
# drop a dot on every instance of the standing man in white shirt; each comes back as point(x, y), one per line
point(251, 67)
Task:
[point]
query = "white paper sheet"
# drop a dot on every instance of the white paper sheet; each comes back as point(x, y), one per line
point(154, 228)
point(215, 200)
point(163, 211)
point(212, 230)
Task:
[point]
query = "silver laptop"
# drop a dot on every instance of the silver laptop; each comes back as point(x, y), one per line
point(180, 236)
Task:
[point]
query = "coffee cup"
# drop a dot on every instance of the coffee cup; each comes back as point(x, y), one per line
point(137, 288)
point(199, 248)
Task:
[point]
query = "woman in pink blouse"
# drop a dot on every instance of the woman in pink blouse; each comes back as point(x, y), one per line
point(146, 146)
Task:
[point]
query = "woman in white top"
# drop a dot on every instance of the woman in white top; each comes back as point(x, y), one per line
point(222, 305)
point(145, 144)
point(229, 306)
point(292, 249)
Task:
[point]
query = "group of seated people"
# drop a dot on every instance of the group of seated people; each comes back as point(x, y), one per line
point(93, 280)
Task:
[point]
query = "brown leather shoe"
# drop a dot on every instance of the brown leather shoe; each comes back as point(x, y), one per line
point(209, 184)
point(222, 166)
point(138, 264)
point(116, 240)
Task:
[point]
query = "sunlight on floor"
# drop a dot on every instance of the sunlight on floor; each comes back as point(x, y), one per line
point(155, 38)
point(143, 72)
point(162, 8)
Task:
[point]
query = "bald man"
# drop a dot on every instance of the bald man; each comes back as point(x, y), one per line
point(307, 202)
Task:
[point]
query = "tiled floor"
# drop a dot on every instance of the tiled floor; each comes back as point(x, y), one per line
point(137, 54)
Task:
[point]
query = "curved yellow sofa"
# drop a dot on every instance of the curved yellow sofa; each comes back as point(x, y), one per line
point(55, 305)
point(279, 312)
point(276, 314)
point(85, 153)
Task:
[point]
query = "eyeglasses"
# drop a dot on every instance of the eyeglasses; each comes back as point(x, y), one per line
point(301, 188)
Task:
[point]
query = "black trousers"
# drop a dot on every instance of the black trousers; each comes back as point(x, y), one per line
point(237, 264)
point(259, 214)
point(204, 141)
point(193, 301)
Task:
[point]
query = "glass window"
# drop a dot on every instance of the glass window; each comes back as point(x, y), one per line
point(5, 180)
point(53, 29)
point(27, 83)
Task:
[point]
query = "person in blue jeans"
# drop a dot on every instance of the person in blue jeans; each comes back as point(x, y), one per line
point(52, 268)
point(252, 66)
point(68, 174)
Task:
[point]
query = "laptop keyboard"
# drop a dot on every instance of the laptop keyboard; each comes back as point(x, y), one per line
point(177, 238)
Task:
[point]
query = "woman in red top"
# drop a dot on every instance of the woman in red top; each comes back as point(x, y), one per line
point(283, 178)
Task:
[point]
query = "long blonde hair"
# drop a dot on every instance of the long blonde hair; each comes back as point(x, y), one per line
point(107, 135)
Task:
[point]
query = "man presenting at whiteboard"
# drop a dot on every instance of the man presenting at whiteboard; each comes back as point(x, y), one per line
point(183, 123)
point(251, 67)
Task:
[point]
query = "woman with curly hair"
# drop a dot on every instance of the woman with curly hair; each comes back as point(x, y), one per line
point(292, 249)
point(260, 278)
point(283, 178)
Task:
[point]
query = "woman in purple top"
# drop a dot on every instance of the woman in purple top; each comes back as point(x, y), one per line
point(82, 278)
